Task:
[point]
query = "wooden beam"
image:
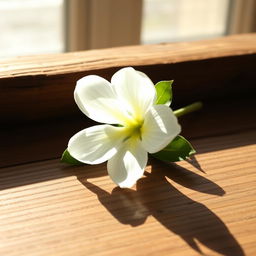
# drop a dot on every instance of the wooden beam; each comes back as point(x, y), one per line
point(41, 87)
point(143, 55)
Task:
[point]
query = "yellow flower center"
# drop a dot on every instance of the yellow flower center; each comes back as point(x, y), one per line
point(133, 128)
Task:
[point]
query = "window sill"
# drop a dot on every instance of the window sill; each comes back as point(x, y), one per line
point(204, 204)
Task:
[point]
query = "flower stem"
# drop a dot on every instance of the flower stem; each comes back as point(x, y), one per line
point(190, 108)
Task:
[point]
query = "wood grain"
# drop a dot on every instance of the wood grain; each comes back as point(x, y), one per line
point(53, 64)
point(41, 87)
point(206, 205)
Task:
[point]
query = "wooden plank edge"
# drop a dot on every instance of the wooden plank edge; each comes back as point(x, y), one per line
point(165, 53)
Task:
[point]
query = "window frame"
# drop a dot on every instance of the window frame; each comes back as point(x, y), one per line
point(119, 23)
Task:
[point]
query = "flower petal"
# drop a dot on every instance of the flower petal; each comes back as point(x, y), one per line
point(96, 144)
point(128, 165)
point(135, 89)
point(159, 129)
point(96, 98)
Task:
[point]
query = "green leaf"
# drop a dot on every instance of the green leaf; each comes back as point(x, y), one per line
point(179, 149)
point(68, 159)
point(164, 92)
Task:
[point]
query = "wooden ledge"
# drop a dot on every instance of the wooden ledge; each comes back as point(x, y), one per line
point(206, 205)
point(41, 87)
point(57, 64)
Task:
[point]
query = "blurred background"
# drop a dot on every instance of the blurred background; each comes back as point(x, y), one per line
point(52, 26)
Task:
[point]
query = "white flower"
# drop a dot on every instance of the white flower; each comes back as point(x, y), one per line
point(134, 124)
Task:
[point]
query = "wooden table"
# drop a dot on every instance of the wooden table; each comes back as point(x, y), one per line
point(205, 205)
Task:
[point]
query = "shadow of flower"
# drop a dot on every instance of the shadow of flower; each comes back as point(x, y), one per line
point(155, 196)
point(185, 217)
point(123, 204)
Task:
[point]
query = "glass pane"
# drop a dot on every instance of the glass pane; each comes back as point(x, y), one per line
point(178, 20)
point(31, 27)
